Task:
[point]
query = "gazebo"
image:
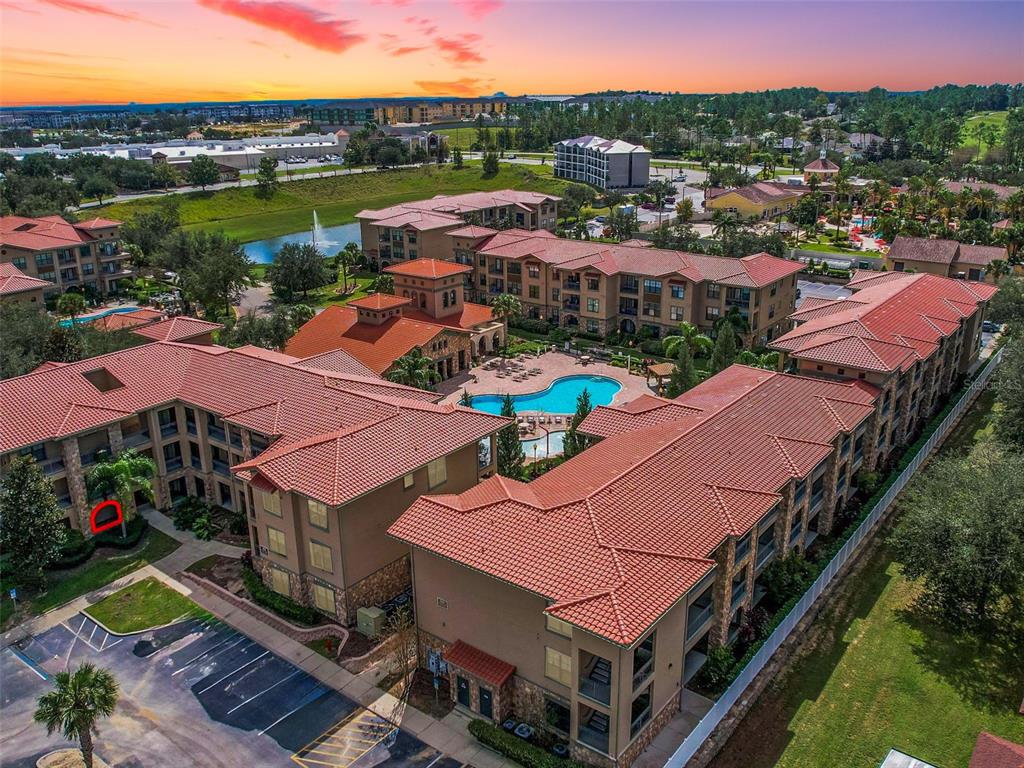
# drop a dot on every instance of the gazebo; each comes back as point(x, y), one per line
point(659, 371)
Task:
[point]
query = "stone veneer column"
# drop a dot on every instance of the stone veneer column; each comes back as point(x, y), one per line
point(76, 485)
point(828, 501)
point(786, 517)
point(115, 436)
point(724, 558)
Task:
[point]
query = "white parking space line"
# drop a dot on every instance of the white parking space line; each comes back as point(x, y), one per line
point(229, 674)
point(431, 763)
point(79, 637)
point(305, 700)
point(256, 696)
point(208, 650)
point(27, 662)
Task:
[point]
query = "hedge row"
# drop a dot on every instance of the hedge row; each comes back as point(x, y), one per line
point(283, 606)
point(77, 549)
point(516, 749)
point(831, 549)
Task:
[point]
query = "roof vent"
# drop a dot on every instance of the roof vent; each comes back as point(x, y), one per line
point(25, 227)
point(103, 379)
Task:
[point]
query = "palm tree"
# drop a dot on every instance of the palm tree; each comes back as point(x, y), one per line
point(734, 320)
point(723, 223)
point(689, 334)
point(506, 307)
point(344, 261)
point(769, 360)
point(999, 268)
point(414, 369)
point(122, 477)
point(71, 304)
point(78, 701)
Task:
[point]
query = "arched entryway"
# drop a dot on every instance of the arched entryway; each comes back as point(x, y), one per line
point(496, 342)
point(482, 345)
point(627, 326)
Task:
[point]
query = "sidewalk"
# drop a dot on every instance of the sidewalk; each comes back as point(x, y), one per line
point(191, 549)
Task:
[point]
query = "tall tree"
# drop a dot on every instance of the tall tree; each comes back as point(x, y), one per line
point(78, 700)
point(724, 353)
point(345, 260)
point(510, 449)
point(63, 345)
point(962, 534)
point(457, 158)
point(572, 441)
point(684, 374)
point(26, 331)
point(1010, 393)
point(414, 369)
point(490, 164)
point(98, 186)
point(212, 268)
point(506, 307)
point(71, 305)
point(150, 227)
point(689, 335)
point(121, 477)
point(298, 268)
point(202, 172)
point(266, 178)
point(31, 521)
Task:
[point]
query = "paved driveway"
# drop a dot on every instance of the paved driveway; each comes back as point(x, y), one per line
point(199, 693)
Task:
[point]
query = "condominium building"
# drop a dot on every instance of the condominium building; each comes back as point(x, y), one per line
point(947, 258)
point(760, 200)
point(356, 112)
point(419, 229)
point(629, 287)
point(16, 286)
point(87, 254)
point(604, 163)
point(321, 458)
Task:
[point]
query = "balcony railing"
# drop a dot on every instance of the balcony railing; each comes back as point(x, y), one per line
point(196, 461)
point(573, 305)
point(592, 738)
point(817, 498)
point(795, 533)
point(93, 456)
point(221, 468)
point(697, 617)
point(173, 463)
point(742, 549)
point(628, 311)
point(53, 466)
point(738, 593)
point(236, 439)
point(171, 428)
point(191, 428)
point(217, 433)
point(592, 689)
point(64, 501)
point(138, 437)
point(764, 553)
point(643, 674)
point(639, 722)
point(734, 302)
point(571, 285)
point(629, 288)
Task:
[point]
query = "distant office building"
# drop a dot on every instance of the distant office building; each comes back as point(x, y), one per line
point(605, 163)
point(392, 111)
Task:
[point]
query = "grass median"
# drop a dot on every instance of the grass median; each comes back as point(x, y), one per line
point(140, 606)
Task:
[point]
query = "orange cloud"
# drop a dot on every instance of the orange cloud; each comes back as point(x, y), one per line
point(302, 23)
point(464, 86)
point(81, 6)
point(460, 51)
point(477, 9)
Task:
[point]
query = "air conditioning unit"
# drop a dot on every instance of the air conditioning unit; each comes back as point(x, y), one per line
point(264, 551)
point(370, 621)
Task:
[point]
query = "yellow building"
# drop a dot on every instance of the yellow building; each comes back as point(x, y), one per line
point(761, 200)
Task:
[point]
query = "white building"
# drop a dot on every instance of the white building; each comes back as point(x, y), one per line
point(605, 163)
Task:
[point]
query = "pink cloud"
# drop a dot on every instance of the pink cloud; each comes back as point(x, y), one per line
point(405, 50)
point(464, 86)
point(302, 23)
point(81, 6)
point(477, 9)
point(460, 51)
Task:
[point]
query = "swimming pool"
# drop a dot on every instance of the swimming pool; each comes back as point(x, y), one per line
point(98, 315)
point(559, 397)
point(546, 445)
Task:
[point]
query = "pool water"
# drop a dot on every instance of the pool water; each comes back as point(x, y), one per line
point(546, 445)
point(559, 397)
point(98, 315)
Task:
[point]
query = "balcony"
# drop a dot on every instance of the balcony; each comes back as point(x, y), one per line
point(496, 270)
point(629, 288)
point(196, 461)
point(93, 456)
point(696, 617)
point(191, 428)
point(136, 438)
point(640, 721)
point(765, 552)
point(114, 256)
point(236, 439)
point(173, 463)
point(217, 433)
point(738, 593)
point(597, 684)
point(795, 533)
point(692, 663)
point(742, 549)
point(571, 285)
point(736, 302)
point(169, 429)
point(64, 501)
point(817, 498)
point(571, 305)
point(631, 311)
point(595, 735)
point(53, 466)
point(643, 662)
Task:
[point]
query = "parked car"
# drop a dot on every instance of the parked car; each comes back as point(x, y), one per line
point(680, 177)
point(648, 206)
point(670, 200)
point(600, 219)
point(989, 327)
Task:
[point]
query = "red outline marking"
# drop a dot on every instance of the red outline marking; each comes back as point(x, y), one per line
point(106, 526)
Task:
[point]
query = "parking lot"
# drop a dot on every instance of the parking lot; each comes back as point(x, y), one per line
point(199, 693)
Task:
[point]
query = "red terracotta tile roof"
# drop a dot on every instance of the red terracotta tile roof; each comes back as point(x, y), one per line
point(46, 232)
point(980, 255)
point(379, 301)
point(821, 164)
point(180, 328)
point(13, 280)
point(375, 346)
point(479, 664)
point(618, 534)
point(909, 311)
point(761, 192)
point(97, 223)
point(335, 433)
point(991, 751)
point(472, 231)
point(923, 249)
point(447, 210)
point(121, 320)
point(428, 268)
point(471, 316)
point(338, 361)
point(563, 253)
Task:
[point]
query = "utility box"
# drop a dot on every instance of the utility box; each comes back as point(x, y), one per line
point(370, 621)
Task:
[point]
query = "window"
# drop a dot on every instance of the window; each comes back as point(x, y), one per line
point(534, 291)
point(592, 326)
point(317, 514)
point(271, 503)
point(408, 481)
point(280, 582)
point(437, 472)
point(44, 259)
point(558, 666)
point(19, 262)
point(652, 286)
point(714, 290)
point(323, 598)
point(678, 291)
point(593, 305)
point(276, 541)
point(593, 283)
point(676, 313)
point(558, 626)
point(320, 557)
point(712, 313)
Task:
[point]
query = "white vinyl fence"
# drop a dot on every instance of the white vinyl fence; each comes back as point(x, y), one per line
point(731, 695)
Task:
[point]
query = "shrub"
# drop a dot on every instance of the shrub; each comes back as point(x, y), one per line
point(238, 526)
point(717, 672)
point(787, 576)
point(542, 327)
point(653, 347)
point(515, 749)
point(77, 549)
point(283, 606)
point(589, 336)
point(186, 513)
point(203, 527)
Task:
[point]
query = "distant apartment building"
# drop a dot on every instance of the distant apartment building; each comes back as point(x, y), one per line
point(630, 287)
point(16, 286)
point(760, 200)
point(86, 254)
point(672, 518)
point(392, 111)
point(603, 163)
point(320, 457)
point(427, 313)
point(947, 258)
point(419, 228)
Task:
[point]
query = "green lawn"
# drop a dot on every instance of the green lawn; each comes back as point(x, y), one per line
point(143, 605)
point(833, 249)
point(104, 567)
point(303, 171)
point(465, 137)
point(998, 119)
point(884, 675)
point(242, 215)
point(331, 294)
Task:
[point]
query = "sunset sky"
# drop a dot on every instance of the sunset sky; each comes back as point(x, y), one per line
point(111, 51)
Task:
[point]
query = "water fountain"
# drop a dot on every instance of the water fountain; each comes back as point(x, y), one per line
point(319, 233)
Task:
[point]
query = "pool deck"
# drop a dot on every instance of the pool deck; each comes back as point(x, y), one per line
point(554, 365)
